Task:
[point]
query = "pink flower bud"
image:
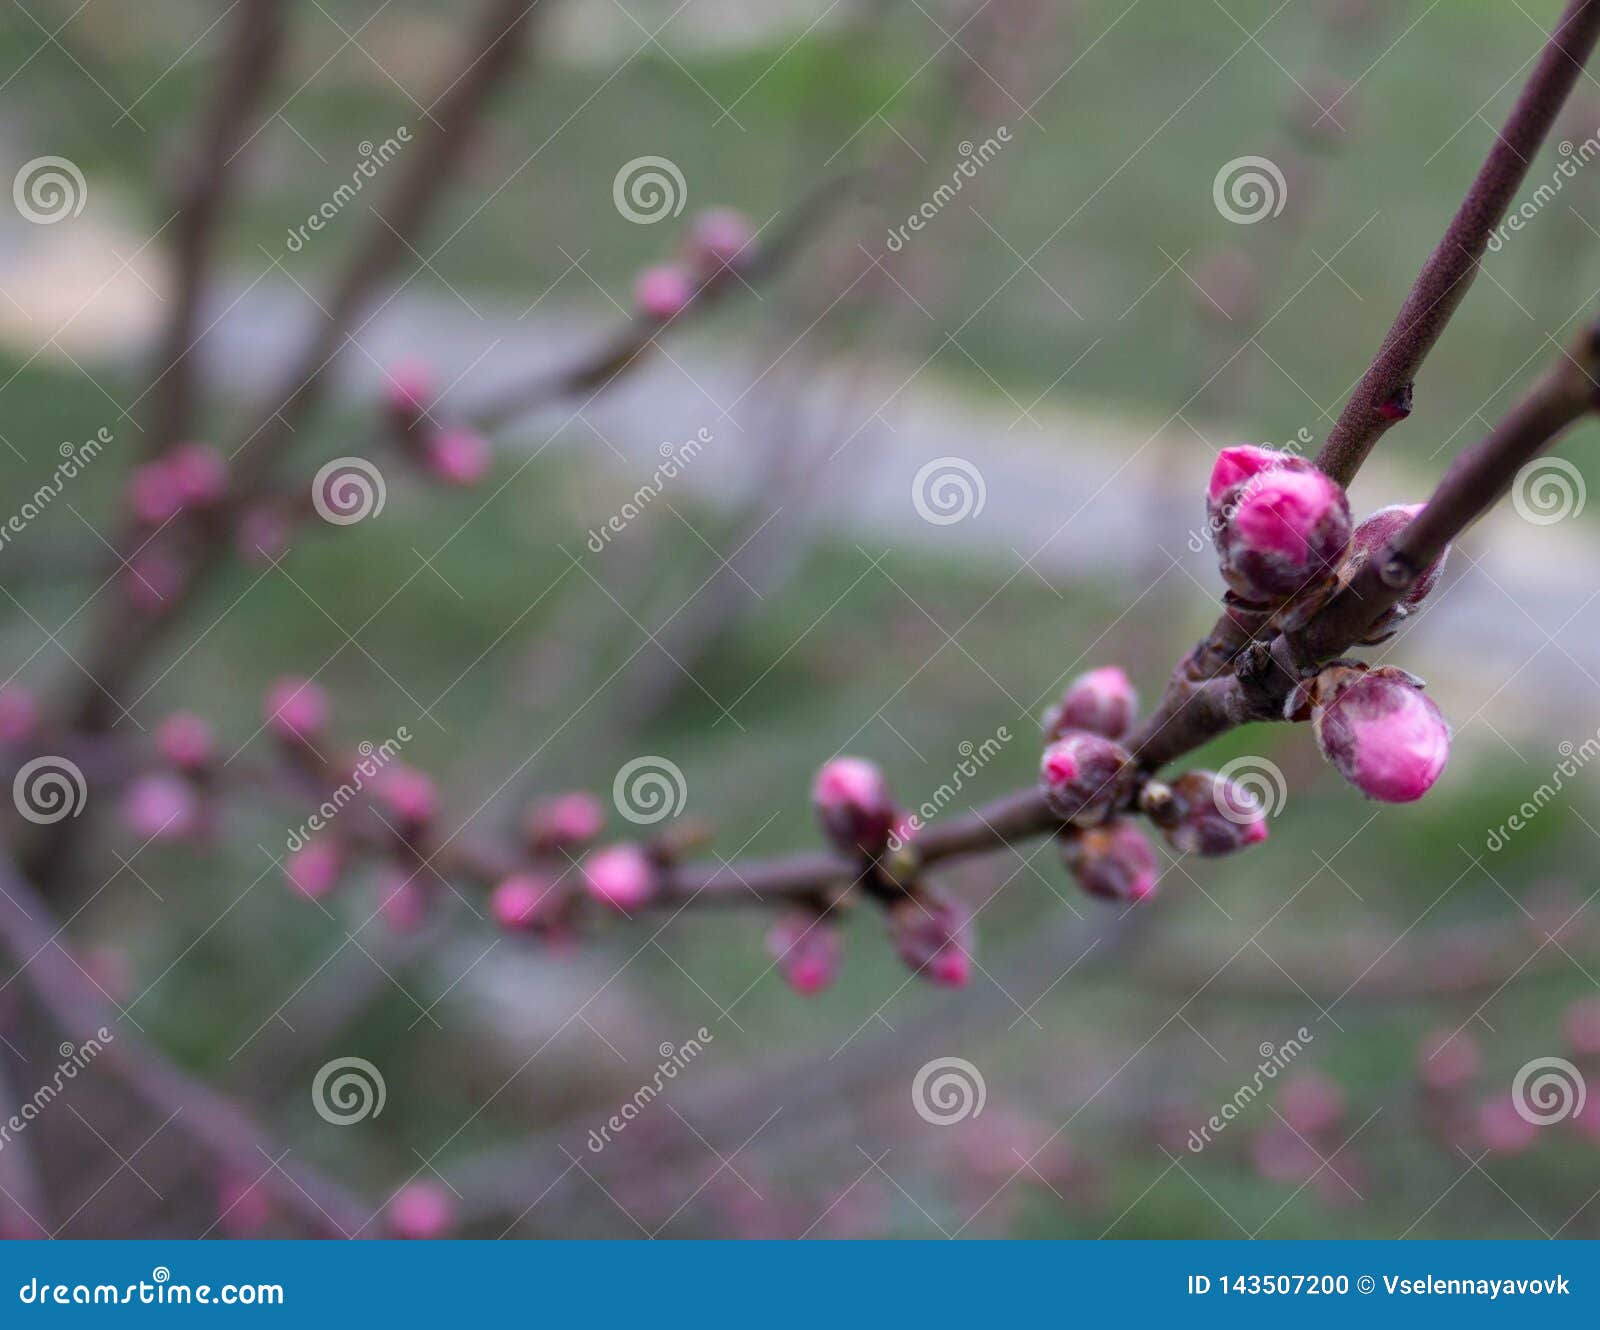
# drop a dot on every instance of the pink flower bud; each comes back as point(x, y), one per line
point(1280, 532)
point(421, 1211)
point(1101, 701)
point(153, 581)
point(1382, 733)
point(244, 1207)
point(409, 390)
point(19, 714)
point(1113, 861)
point(719, 238)
point(854, 806)
point(159, 806)
point(1502, 1129)
point(313, 869)
point(410, 796)
point(1581, 1022)
point(620, 876)
point(186, 741)
point(297, 709)
point(199, 474)
point(1235, 466)
point(1211, 815)
point(458, 456)
point(263, 535)
point(1373, 537)
point(1085, 777)
point(566, 822)
point(662, 292)
point(1447, 1063)
point(522, 903)
point(933, 935)
point(806, 948)
point(404, 899)
point(1311, 1103)
point(153, 493)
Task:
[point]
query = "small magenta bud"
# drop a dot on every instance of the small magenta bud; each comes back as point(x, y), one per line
point(522, 902)
point(620, 876)
point(1281, 534)
point(186, 741)
point(662, 292)
point(1372, 538)
point(806, 949)
point(1211, 815)
point(854, 805)
point(933, 935)
point(719, 238)
point(153, 494)
point(244, 1207)
point(1501, 1128)
point(1382, 733)
point(19, 714)
point(1581, 1024)
point(1234, 467)
point(458, 456)
point(199, 474)
point(410, 796)
point(421, 1211)
point(1311, 1103)
point(1101, 701)
point(567, 822)
point(297, 709)
point(313, 870)
point(409, 390)
point(161, 806)
point(1448, 1062)
point(1084, 777)
point(1114, 861)
point(1399, 406)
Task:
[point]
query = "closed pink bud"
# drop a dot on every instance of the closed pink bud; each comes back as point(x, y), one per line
point(1211, 815)
point(458, 456)
point(1311, 1103)
point(159, 806)
point(620, 876)
point(410, 796)
point(1114, 861)
point(313, 869)
point(806, 949)
point(1581, 1022)
point(1085, 777)
point(1234, 467)
point(153, 493)
point(263, 535)
point(19, 714)
point(1284, 535)
point(1382, 733)
point(1101, 701)
point(854, 806)
point(199, 473)
point(1373, 537)
point(662, 292)
point(404, 899)
point(719, 238)
point(933, 935)
point(186, 741)
point(1448, 1062)
point(1502, 1129)
point(566, 822)
point(409, 390)
point(297, 708)
point(153, 581)
point(421, 1211)
point(516, 902)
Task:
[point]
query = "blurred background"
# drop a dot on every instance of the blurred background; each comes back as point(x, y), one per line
point(1067, 338)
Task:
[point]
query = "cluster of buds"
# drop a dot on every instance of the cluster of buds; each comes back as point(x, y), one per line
point(1303, 1144)
point(187, 477)
point(450, 454)
point(718, 241)
point(174, 801)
